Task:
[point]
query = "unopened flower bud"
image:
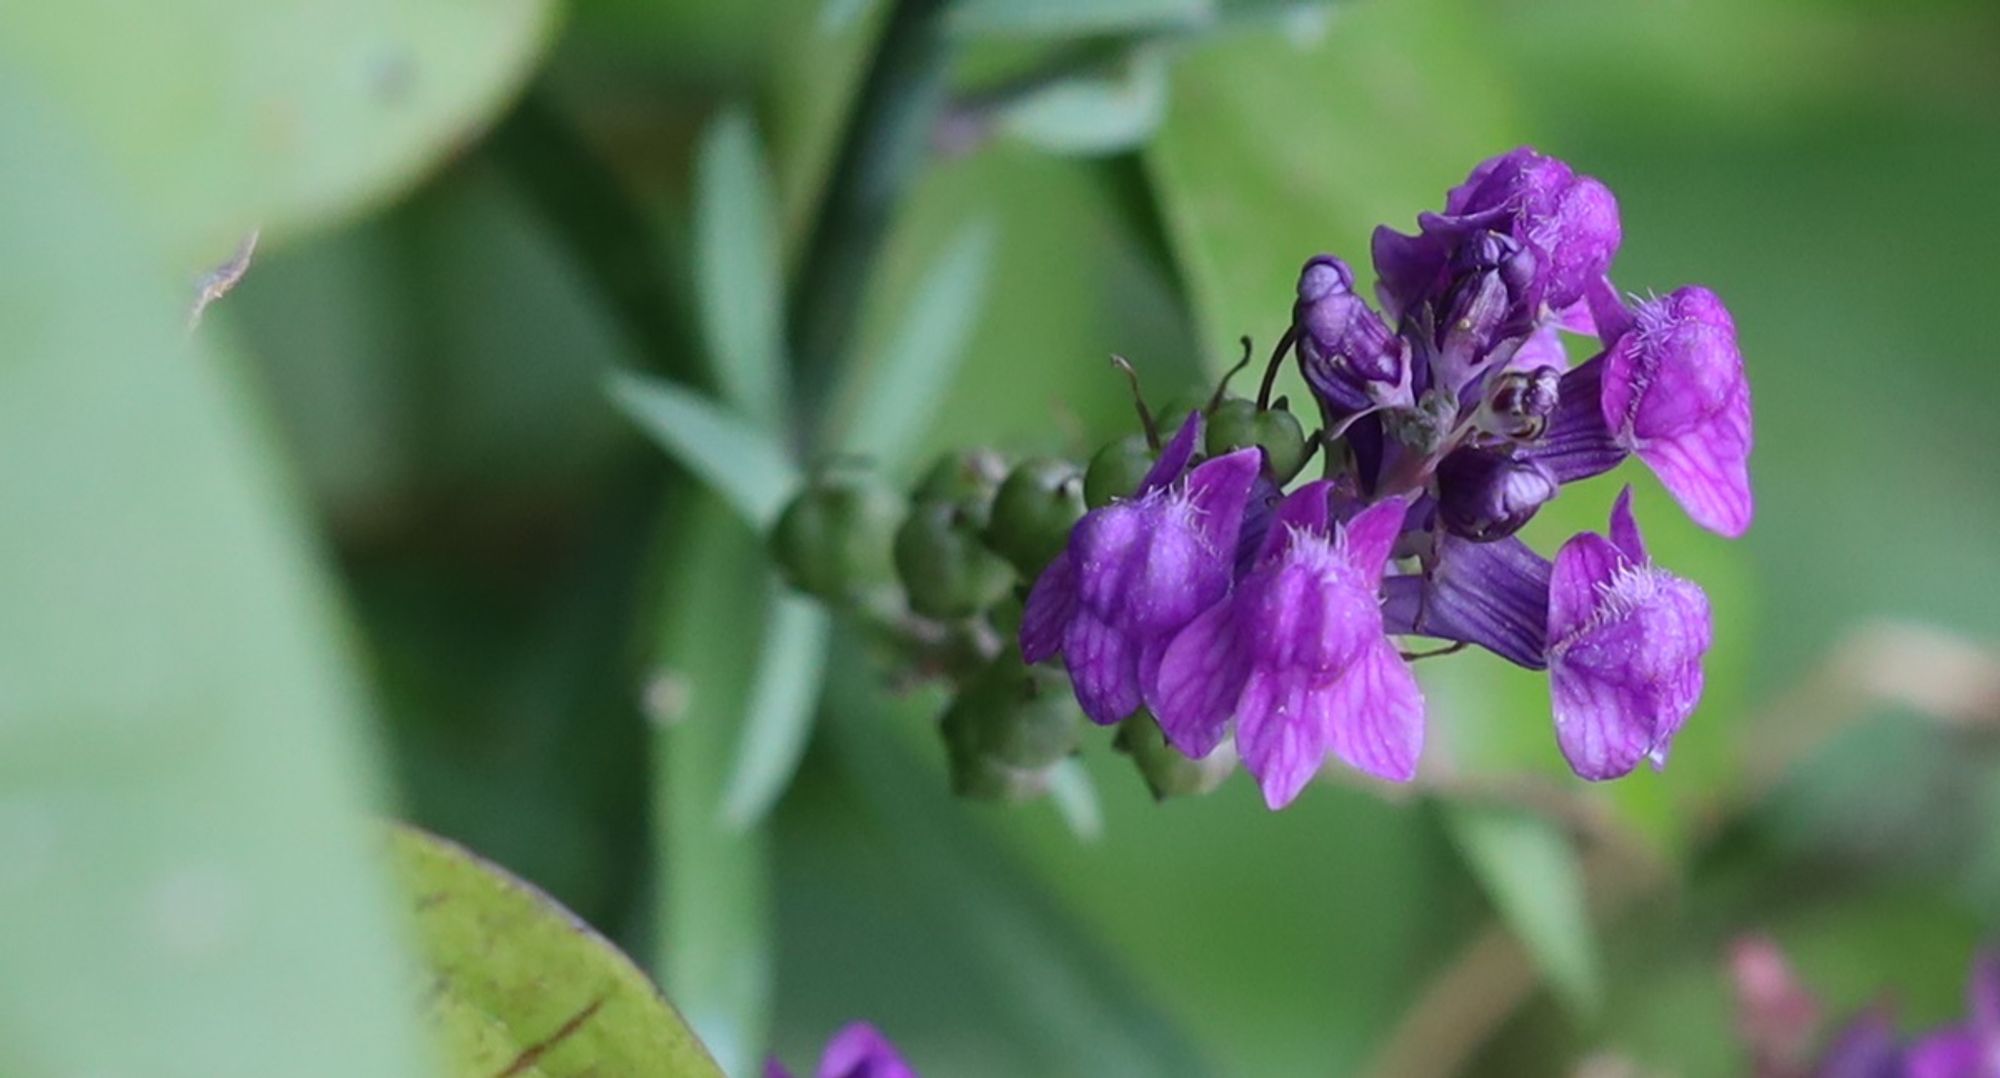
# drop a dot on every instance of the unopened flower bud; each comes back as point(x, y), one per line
point(1116, 471)
point(945, 569)
point(1008, 726)
point(1167, 772)
point(1033, 512)
point(833, 539)
point(1484, 495)
point(1239, 424)
point(1348, 355)
point(967, 479)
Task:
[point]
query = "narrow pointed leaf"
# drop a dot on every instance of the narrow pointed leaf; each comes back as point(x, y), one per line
point(736, 267)
point(1532, 875)
point(1112, 112)
point(784, 697)
point(742, 464)
point(892, 397)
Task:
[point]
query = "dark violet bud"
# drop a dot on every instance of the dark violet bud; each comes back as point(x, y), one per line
point(1347, 353)
point(1239, 424)
point(1167, 772)
point(833, 539)
point(859, 1050)
point(1569, 221)
point(1116, 471)
point(1033, 512)
point(1484, 495)
point(945, 569)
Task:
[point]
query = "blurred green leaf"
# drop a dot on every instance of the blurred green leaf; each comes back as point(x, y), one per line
point(1106, 113)
point(519, 985)
point(778, 718)
point(228, 115)
point(1535, 879)
point(736, 268)
point(185, 859)
point(893, 398)
point(1075, 18)
point(740, 463)
point(714, 952)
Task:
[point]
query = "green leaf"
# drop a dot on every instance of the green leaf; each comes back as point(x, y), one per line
point(185, 856)
point(736, 268)
point(1075, 18)
point(1535, 879)
point(518, 985)
point(784, 695)
point(713, 918)
point(740, 463)
point(1108, 113)
point(893, 398)
point(226, 115)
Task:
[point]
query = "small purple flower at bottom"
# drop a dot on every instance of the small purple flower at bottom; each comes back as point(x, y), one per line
point(1868, 1047)
point(1298, 656)
point(1626, 640)
point(1138, 570)
point(859, 1050)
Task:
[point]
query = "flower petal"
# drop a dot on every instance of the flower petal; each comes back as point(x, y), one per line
point(1304, 511)
point(1198, 679)
point(1103, 668)
point(1626, 682)
point(1583, 566)
point(1375, 715)
point(1217, 491)
point(1625, 528)
point(859, 1050)
point(1174, 458)
point(1281, 731)
point(1707, 469)
point(1371, 535)
point(1952, 1052)
point(1051, 603)
point(1602, 724)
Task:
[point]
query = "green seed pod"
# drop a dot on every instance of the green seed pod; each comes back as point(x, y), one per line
point(1116, 471)
point(1014, 714)
point(1238, 423)
point(944, 567)
point(967, 479)
point(1166, 771)
point(833, 539)
point(1033, 513)
point(1170, 418)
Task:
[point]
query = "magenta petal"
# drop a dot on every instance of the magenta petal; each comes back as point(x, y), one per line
point(1197, 682)
point(1600, 722)
point(1217, 491)
point(1584, 565)
point(860, 1051)
point(1543, 348)
point(1281, 731)
point(1051, 603)
point(1303, 512)
point(1369, 537)
point(1376, 716)
point(1174, 457)
point(775, 1069)
point(1948, 1053)
point(1625, 528)
point(1624, 683)
point(1103, 668)
point(1707, 469)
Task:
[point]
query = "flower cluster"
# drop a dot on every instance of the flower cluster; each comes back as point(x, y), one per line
point(859, 1050)
point(1779, 1020)
point(1208, 596)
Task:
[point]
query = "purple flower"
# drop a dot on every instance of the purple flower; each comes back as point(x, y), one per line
point(1138, 570)
point(1485, 494)
point(1671, 388)
point(1626, 641)
point(1867, 1046)
point(1298, 656)
point(859, 1050)
point(1567, 223)
point(1347, 353)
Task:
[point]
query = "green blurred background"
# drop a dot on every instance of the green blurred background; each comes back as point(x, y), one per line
point(470, 569)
